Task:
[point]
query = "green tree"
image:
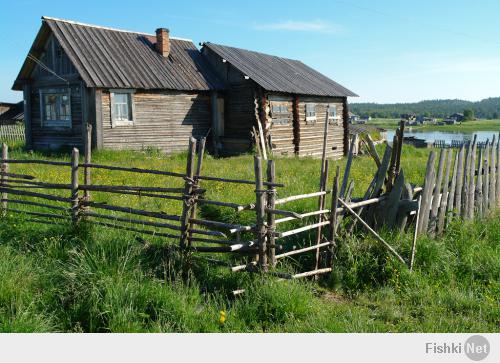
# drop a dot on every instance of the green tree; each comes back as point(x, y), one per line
point(468, 114)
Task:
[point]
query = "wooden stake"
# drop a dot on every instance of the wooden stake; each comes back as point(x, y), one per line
point(493, 171)
point(321, 206)
point(486, 180)
point(74, 185)
point(333, 216)
point(460, 181)
point(88, 160)
point(437, 191)
point(260, 210)
point(196, 185)
point(347, 170)
point(271, 226)
point(479, 186)
point(426, 194)
point(5, 171)
point(444, 196)
point(472, 181)
point(188, 191)
point(415, 234)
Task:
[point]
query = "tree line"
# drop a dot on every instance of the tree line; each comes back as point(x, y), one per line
point(488, 108)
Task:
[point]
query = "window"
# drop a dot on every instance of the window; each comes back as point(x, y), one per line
point(121, 108)
point(56, 107)
point(310, 113)
point(280, 114)
point(332, 115)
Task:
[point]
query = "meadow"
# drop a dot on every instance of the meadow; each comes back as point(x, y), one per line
point(95, 279)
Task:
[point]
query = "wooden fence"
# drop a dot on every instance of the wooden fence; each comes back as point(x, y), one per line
point(466, 188)
point(12, 132)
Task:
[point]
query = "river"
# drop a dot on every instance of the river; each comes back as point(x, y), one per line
point(447, 136)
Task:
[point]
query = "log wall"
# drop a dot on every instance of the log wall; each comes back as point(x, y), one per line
point(162, 119)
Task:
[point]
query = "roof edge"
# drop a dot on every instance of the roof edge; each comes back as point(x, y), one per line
point(108, 28)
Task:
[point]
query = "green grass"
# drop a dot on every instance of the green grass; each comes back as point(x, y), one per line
point(468, 126)
point(92, 279)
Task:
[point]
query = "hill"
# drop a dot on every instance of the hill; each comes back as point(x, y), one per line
point(488, 108)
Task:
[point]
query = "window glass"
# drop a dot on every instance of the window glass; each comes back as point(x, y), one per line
point(122, 110)
point(56, 108)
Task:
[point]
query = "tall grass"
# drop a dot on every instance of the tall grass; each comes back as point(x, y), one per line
point(92, 279)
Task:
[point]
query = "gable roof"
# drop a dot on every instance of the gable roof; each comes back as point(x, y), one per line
point(112, 58)
point(279, 74)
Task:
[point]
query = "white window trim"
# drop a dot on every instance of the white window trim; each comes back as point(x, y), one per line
point(310, 120)
point(114, 122)
point(336, 118)
point(62, 124)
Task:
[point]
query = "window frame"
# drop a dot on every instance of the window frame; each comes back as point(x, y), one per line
point(55, 123)
point(310, 120)
point(130, 97)
point(280, 113)
point(333, 119)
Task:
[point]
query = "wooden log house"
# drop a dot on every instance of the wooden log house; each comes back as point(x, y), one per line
point(290, 100)
point(143, 90)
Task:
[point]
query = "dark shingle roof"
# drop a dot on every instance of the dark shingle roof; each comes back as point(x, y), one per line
point(112, 58)
point(280, 74)
point(14, 113)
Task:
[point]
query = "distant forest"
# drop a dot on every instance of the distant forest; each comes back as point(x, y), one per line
point(488, 108)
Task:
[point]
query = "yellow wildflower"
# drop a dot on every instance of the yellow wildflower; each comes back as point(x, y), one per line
point(222, 317)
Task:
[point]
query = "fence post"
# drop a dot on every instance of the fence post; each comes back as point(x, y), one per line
point(88, 160)
point(196, 185)
point(271, 227)
point(333, 215)
point(74, 185)
point(5, 169)
point(260, 203)
point(188, 191)
point(321, 206)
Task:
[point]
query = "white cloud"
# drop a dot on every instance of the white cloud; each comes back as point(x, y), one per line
point(314, 26)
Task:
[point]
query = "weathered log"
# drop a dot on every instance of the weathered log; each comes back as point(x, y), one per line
point(444, 196)
point(159, 215)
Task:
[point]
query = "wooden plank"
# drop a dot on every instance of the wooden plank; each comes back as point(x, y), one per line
point(493, 171)
point(415, 234)
point(426, 194)
point(5, 171)
point(372, 150)
point(393, 199)
point(260, 211)
point(444, 196)
point(466, 182)
point(460, 181)
point(479, 186)
point(402, 217)
point(472, 181)
point(486, 180)
point(437, 192)
point(451, 194)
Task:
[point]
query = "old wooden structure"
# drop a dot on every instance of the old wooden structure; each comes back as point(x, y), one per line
point(142, 90)
point(289, 101)
point(137, 90)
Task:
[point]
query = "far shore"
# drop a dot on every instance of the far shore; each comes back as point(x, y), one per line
point(465, 126)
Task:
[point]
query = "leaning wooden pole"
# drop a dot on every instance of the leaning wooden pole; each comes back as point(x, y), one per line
point(88, 160)
point(333, 216)
point(5, 170)
point(271, 225)
point(196, 186)
point(260, 203)
point(415, 235)
point(75, 205)
point(321, 206)
point(188, 191)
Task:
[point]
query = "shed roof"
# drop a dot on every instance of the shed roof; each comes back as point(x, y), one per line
point(14, 113)
point(279, 74)
point(112, 58)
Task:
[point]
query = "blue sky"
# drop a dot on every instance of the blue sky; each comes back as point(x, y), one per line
point(386, 50)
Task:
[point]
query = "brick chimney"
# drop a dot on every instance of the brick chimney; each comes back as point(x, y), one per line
point(163, 41)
